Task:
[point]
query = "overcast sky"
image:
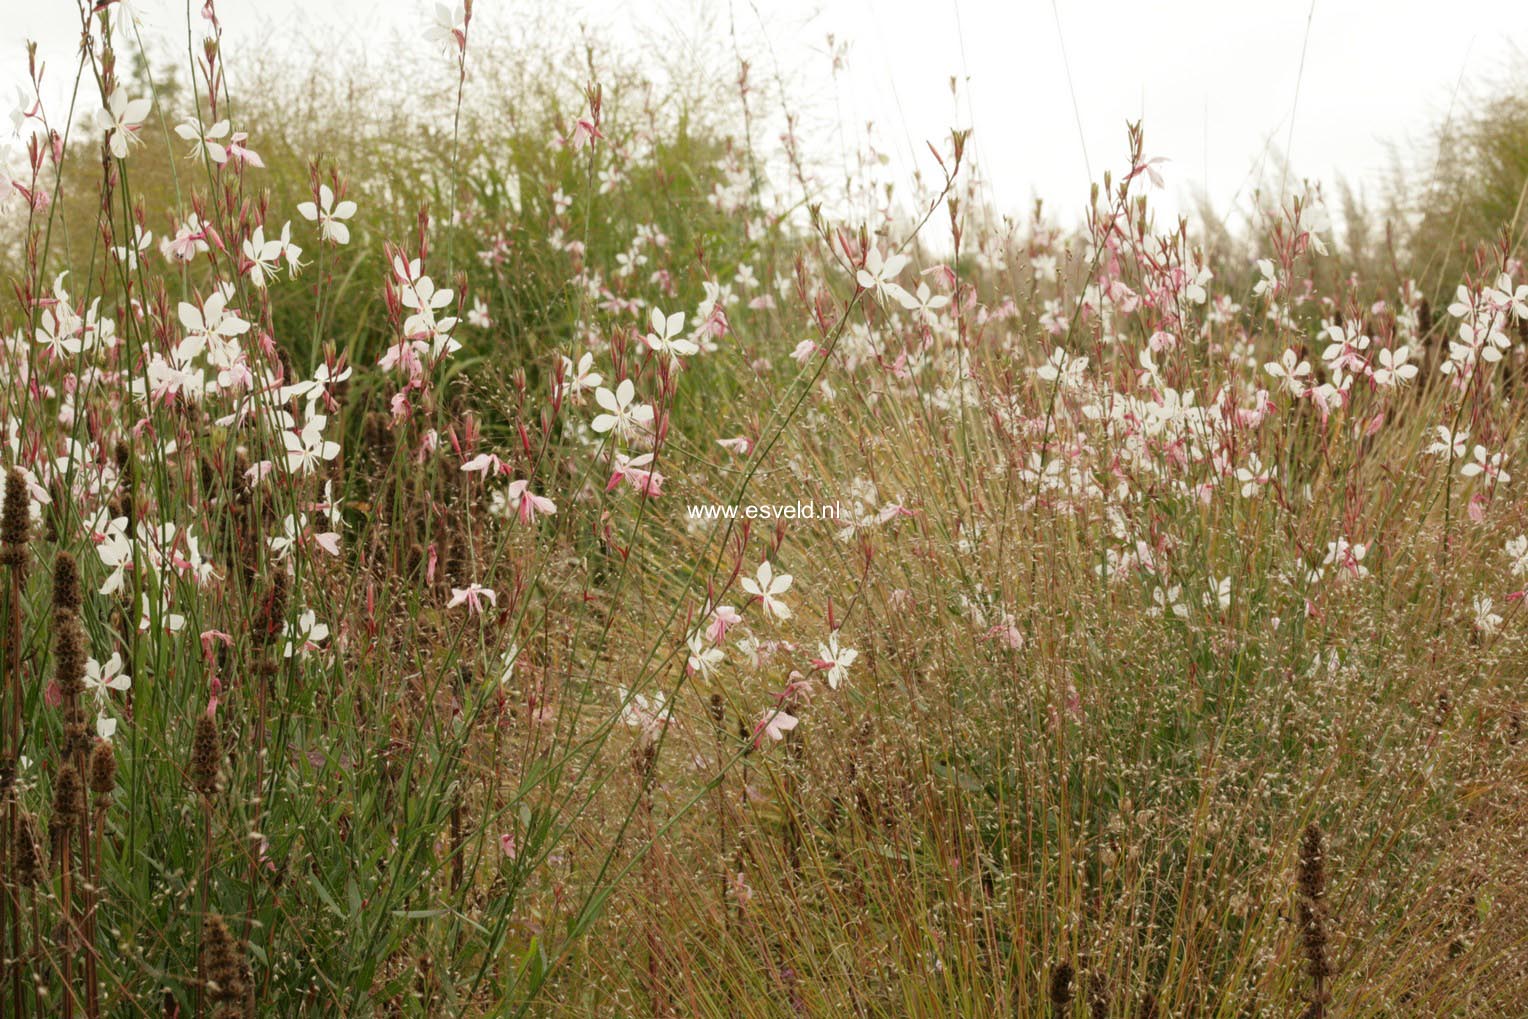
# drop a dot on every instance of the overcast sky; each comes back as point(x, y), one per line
point(1220, 85)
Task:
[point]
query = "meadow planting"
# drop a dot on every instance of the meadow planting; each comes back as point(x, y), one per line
point(519, 541)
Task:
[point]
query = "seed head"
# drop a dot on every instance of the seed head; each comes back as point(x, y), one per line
point(68, 806)
point(206, 756)
point(78, 739)
point(66, 584)
point(1098, 997)
point(1061, 985)
point(220, 955)
point(69, 650)
point(15, 519)
point(103, 768)
point(1313, 863)
point(27, 852)
point(270, 616)
point(1312, 907)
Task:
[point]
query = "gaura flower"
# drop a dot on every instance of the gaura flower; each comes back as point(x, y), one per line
point(473, 596)
point(767, 587)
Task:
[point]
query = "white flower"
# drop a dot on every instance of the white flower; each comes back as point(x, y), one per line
point(1505, 297)
point(101, 678)
point(578, 378)
point(212, 326)
point(207, 143)
point(1196, 289)
point(1345, 352)
point(767, 587)
point(1291, 370)
point(189, 241)
point(473, 596)
point(115, 550)
point(775, 723)
point(880, 273)
point(170, 622)
point(648, 716)
point(329, 215)
point(1487, 464)
point(311, 390)
point(1219, 594)
point(1066, 372)
point(1517, 551)
point(447, 28)
point(835, 660)
point(624, 416)
point(128, 254)
point(666, 339)
point(106, 726)
point(306, 634)
point(294, 531)
point(1254, 476)
point(1168, 600)
point(308, 448)
point(924, 302)
point(478, 316)
point(703, 658)
point(419, 294)
point(1394, 369)
point(1268, 286)
point(1486, 621)
point(1449, 444)
point(264, 256)
point(518, 499)
point(1348, 557)
point(122, 118)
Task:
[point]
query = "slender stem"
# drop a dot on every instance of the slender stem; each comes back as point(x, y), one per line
point(10, 682)
point(203, 879)
point(66, 870)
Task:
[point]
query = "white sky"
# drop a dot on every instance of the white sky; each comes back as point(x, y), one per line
point(1214, 80)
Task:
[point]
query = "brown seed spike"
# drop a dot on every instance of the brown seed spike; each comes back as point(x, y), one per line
point(103, 768)
point(66, 584)
point(1313, 863)
point(1312, 909)
point(27, 852)
point(15, 519)
point(206, 757)
point(68, 807)
point(221, 958)
point(78, 738)
point(270, 616)
point(69, 648)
